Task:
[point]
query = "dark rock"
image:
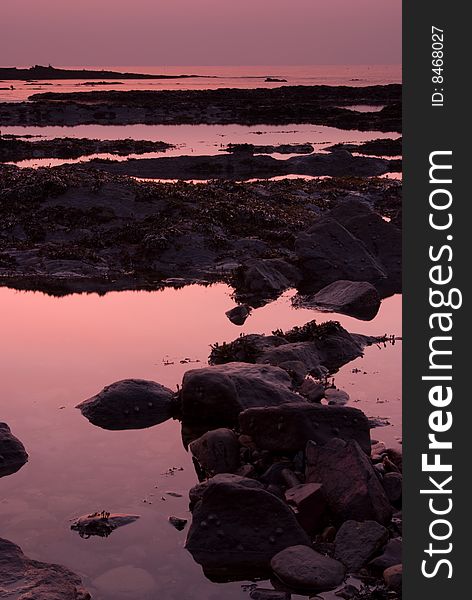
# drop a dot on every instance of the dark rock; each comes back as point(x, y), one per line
point(178, 523)
point(328, 252)
point(311, 390)
point(302, 568)
point(287, 428)
point(217, 451)
point(393, 577)
point(352, 489)
point(267, 277)
point(263, 594)
point(101, 524)
point(235, 526)
point(219, 393)
point(296, 369)
point(391, 555)
point(309, 504)
point(196, 493)
point(393, 484)
point(358, 299)
point(336, 397)
point(238, 314)
point(12, 452)
point(357, 542)
point(129, 404)
point(21, 577)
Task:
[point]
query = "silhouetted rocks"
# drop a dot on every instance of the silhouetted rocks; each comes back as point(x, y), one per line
point(238, 314)
point(21, 577)
point(357, 542)
point(129, 404)
point(350, 484)
point(288, 428)
point(12, 452)
point(302, 568)
point(178, 523)
point(309, 505)
point(380, 147)
point(101, 524)
point(217, 451)
point(219, 393)
point(358, 299)
point(270, 149)
point(393, 484)
point(237, 527)
point(391, 555)
point(393, 578)
point(196, 493)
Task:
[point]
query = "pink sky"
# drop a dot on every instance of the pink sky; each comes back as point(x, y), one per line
point(200, 32)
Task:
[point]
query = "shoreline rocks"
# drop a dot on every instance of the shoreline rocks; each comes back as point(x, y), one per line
point(13, 455)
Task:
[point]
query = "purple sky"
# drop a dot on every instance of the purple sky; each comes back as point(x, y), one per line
point(200, 32)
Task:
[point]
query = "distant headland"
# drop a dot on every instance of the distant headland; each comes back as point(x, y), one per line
point(39, 72)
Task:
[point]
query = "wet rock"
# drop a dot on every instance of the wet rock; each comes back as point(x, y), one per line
point(359, 299)
point(357, 542)
point(238, 314)
point(219, 393)
point(263, 594)
point(21, 577)
point(129, 404)
point(101, 524)
point(302, 568)
point(336, 397)
point(12, 452)
point(328, 252)
point(267, 277)
point(351, 487)
point(178, 523)
point(287, 428)
point(309, 504)
point(391, 555)
point(296, 369)
point(393, 486)
point(196, 493)
point(393, 577)
point(217, 451)
point(235, 526)
point(311, 390)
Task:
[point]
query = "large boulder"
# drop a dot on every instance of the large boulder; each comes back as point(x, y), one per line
point(267, 277)
point(217, 451)
point(358, 299)
point(217, 394)
point(328, 252)
point(237, 527)
point(23, 578)
point(129, 404)
point(12, 452)
point(288, 428)
point(350, 484)
point(302, 568)
point(356, 542)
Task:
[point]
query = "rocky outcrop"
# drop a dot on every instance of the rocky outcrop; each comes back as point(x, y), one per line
point(359, 299)
point(21, 577)
point(266, 277)
point(350, 484)
point(237, 527)
point(216, 452)
point(12, 452)
point(289, 427)
point(302, 568)
point(219, 393)
point(129, 404)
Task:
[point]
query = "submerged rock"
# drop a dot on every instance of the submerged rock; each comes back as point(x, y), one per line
point(101, 524)
point(219, 393)
point(21, 577)
point(357, 542)
point(302, 568)
point(288, 428)
point(358, 299)
point(351, 486)
point(237, 527)
point(178, 523)
point(129, 404)
point(12, 452)
point(238, 314)
point(267, 277)
point(217, 451)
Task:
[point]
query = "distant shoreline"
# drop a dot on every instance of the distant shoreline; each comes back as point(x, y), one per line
point(39, 72)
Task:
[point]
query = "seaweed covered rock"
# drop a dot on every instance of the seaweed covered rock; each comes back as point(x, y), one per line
point(21, 577)
point(267, 277)
point(288, 428)
point(101, 524)
point(350, 484)
point(129, 404)
point(217, 394)
point(237, 527)
point(12, 452)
